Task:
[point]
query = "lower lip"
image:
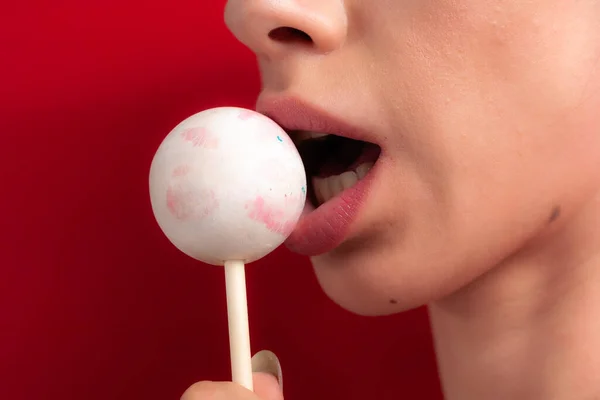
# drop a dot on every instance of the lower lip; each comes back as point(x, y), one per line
point(322, 229)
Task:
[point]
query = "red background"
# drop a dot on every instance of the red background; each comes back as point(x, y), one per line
point(95, 302)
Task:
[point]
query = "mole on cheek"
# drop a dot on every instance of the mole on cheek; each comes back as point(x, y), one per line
point(554, 214)
point(393, 301)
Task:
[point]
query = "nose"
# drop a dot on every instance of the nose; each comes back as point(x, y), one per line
point(275, 27)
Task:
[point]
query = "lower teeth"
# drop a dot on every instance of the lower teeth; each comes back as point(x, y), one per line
point(327, 188)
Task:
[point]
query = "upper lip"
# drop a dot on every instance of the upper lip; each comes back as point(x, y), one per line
point(294, 114)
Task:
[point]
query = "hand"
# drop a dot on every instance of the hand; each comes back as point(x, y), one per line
point(266, 387)
point(267, 381)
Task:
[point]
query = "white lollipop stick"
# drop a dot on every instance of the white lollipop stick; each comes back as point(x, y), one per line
point(239, 332)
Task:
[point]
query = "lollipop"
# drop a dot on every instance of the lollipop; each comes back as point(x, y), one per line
point(227, 187)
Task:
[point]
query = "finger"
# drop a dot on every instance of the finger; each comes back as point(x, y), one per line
point(267, 382)
point(207, 390)
point(268, 379)
point(266, 386)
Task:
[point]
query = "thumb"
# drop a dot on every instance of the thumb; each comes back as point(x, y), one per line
point(267, 377)
point(266, 386)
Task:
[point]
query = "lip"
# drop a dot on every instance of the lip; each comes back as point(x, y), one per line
point(294, 114)
point(322, 229)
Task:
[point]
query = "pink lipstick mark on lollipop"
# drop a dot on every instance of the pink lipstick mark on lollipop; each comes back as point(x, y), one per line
point(245, 115)
point(181, 170)
point(271, 217)
point(186, 204)
point(200, 137)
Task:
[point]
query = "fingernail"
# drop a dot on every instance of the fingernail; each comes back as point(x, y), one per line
point(267, 362)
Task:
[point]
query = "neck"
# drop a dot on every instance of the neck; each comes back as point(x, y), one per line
point(530, 328)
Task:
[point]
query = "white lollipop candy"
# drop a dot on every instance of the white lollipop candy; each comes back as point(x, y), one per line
point(227, 187)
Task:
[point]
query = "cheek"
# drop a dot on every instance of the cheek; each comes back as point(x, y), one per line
point(490, 125)
point(496, 100)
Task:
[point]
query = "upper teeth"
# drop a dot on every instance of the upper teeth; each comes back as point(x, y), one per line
point(307, 135)
point(327, 188)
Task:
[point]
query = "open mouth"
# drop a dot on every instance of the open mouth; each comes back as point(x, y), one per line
point(333, 163)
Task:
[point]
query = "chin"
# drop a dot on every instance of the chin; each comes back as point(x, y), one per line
point(364, 288)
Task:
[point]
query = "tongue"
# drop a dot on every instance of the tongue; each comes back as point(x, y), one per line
point(347, 158)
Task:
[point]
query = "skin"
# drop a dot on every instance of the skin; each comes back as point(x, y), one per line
point(486, 202)
point(266, 387)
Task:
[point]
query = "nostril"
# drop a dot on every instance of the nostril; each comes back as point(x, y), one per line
point(287, 34)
